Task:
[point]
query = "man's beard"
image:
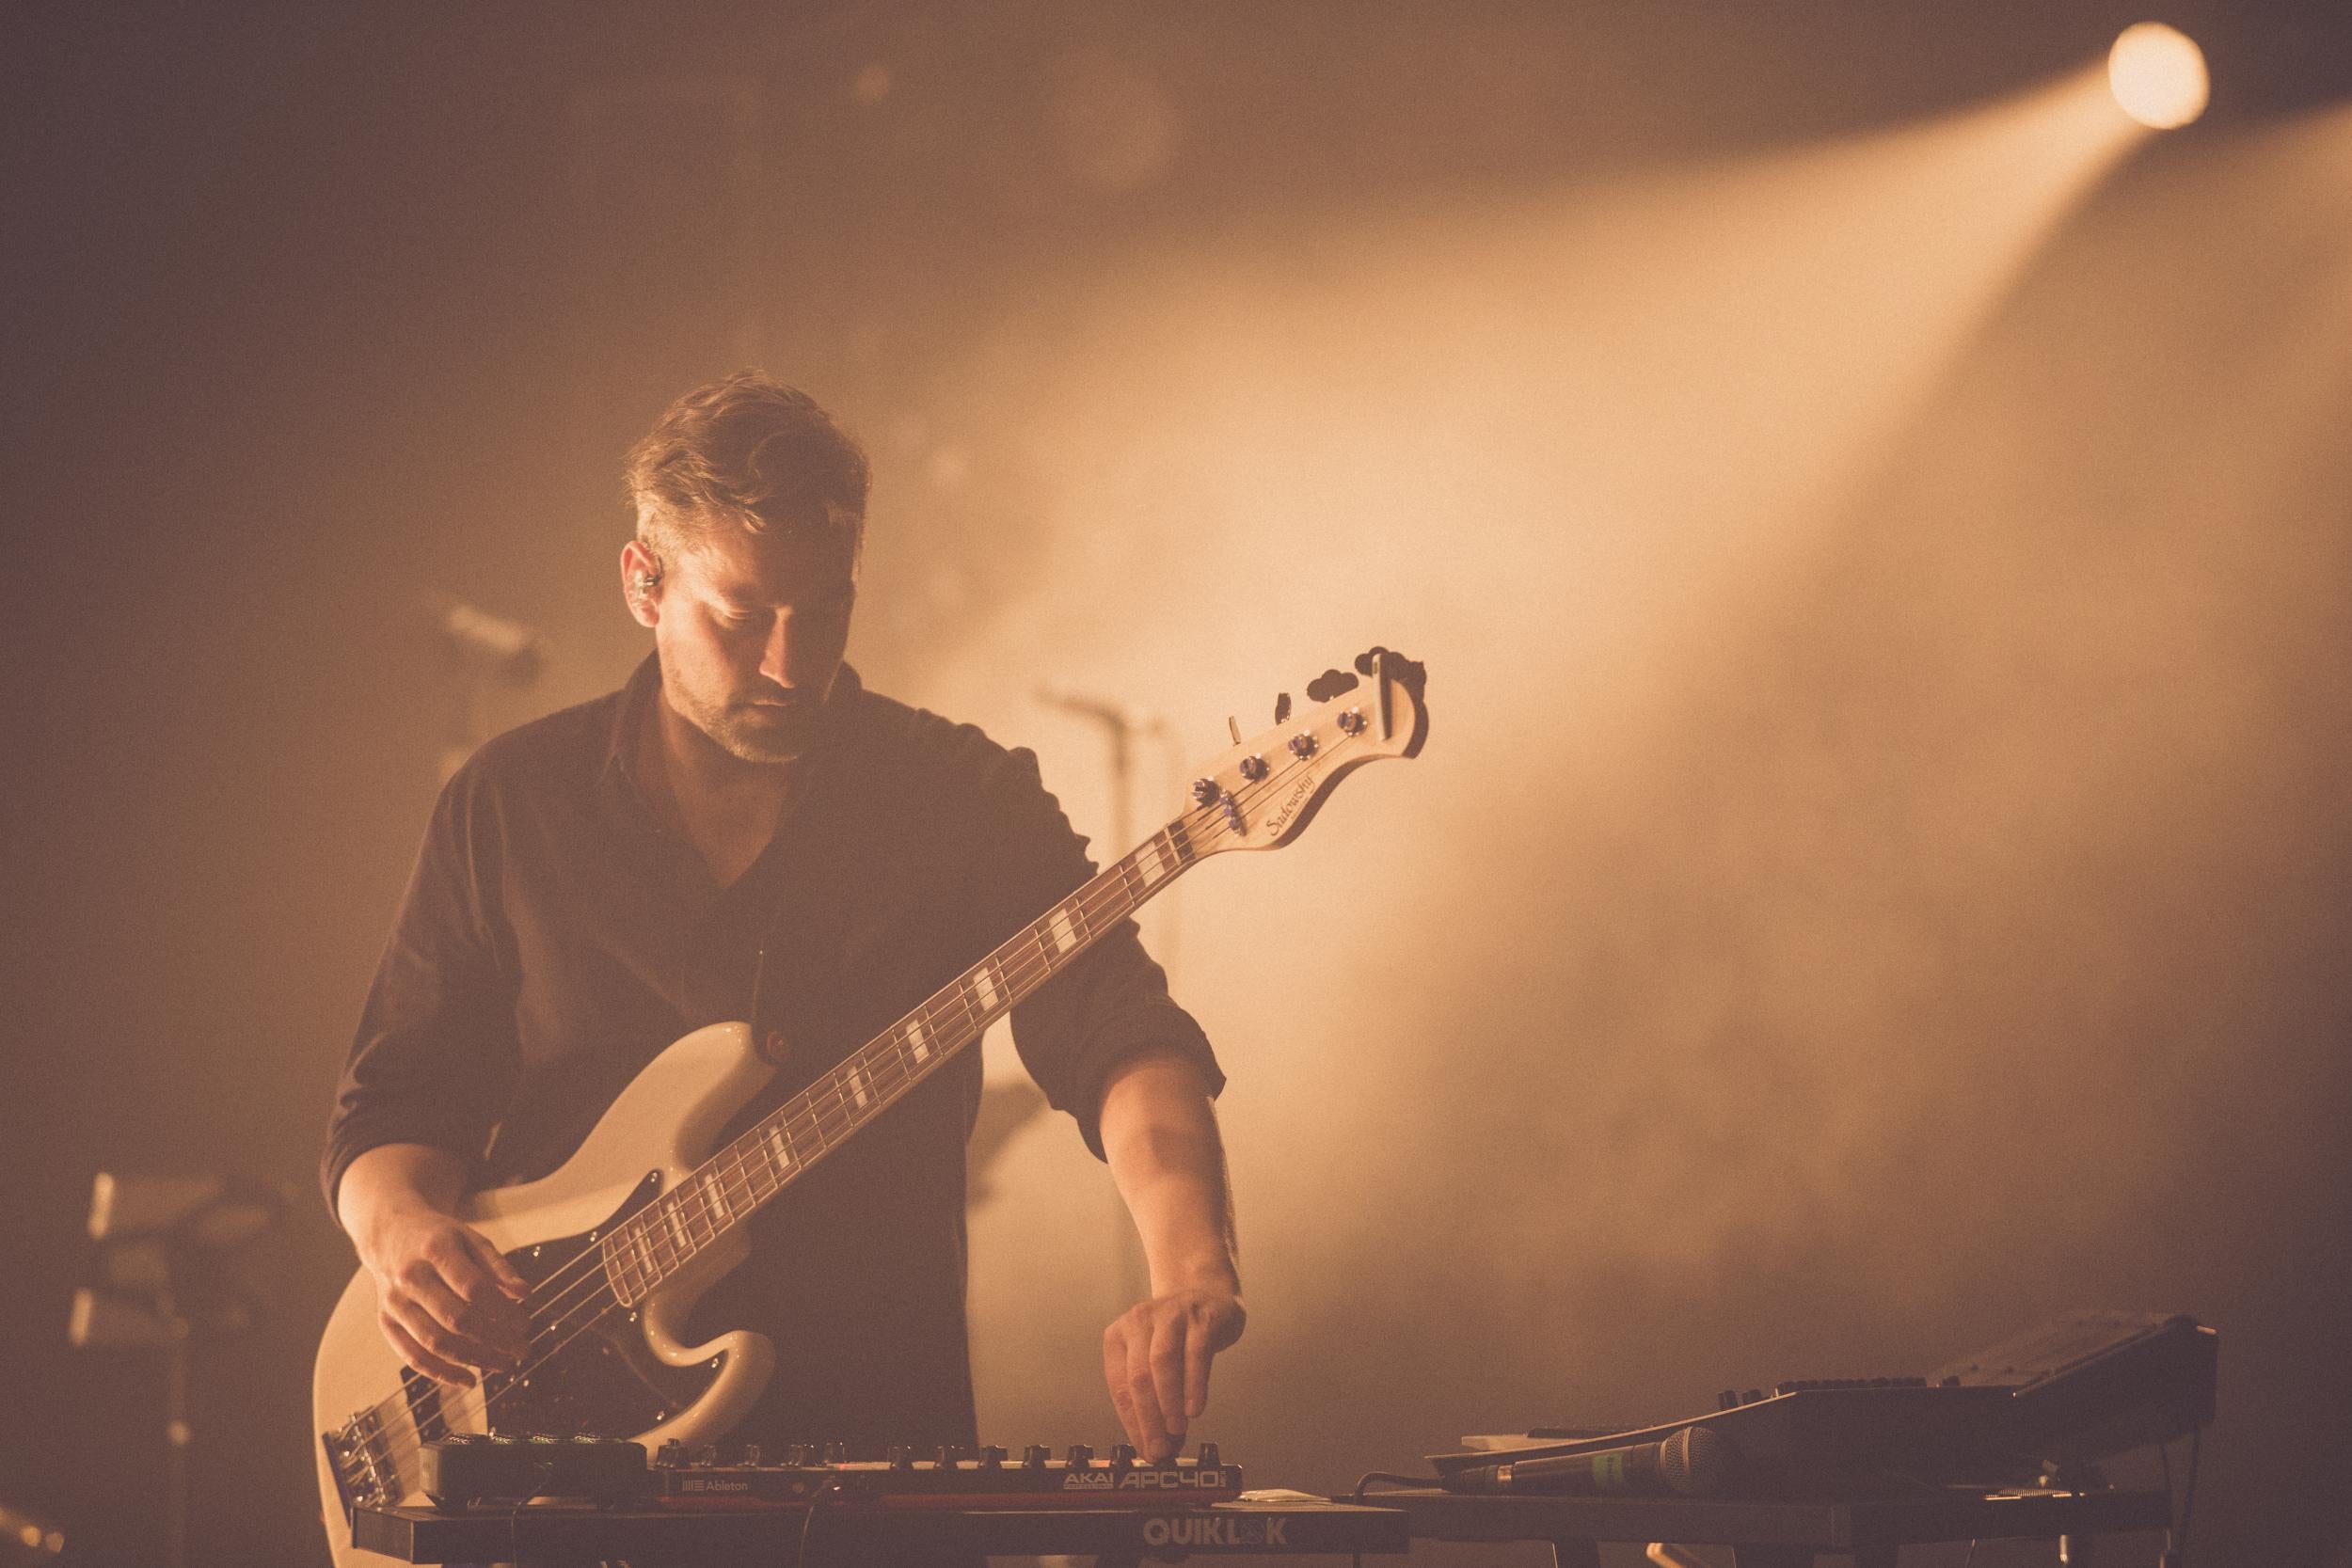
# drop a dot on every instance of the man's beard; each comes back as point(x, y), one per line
point(757, 733)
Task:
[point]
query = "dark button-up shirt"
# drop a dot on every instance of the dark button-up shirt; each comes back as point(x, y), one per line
point(555, 937)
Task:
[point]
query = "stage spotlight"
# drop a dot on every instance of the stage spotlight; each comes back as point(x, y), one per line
point(2157, 75)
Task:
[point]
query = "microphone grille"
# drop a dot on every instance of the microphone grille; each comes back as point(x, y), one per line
point(1693, 1461)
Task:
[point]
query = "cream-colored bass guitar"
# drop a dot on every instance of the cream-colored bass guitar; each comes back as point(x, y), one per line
point(619, 1242)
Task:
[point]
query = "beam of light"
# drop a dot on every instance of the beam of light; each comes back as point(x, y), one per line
point(1555, 447)
point(2157, 75)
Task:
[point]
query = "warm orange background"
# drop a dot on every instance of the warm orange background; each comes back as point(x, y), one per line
point(1879, 526)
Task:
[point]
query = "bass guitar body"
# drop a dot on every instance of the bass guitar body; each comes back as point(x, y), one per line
point(603, 1360)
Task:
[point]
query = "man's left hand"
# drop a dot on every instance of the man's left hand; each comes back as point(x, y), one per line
point(1156, 1360)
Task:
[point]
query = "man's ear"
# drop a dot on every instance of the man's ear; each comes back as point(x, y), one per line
point(641, 582)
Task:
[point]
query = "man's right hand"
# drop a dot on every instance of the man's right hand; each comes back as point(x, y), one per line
point(445, 1298)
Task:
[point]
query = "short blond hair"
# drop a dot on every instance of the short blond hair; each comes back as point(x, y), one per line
point(745, 452)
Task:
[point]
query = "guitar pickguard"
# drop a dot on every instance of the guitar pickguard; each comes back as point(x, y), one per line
point(605, 1382)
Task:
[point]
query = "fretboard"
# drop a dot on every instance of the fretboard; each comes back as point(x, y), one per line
point(665, 1236)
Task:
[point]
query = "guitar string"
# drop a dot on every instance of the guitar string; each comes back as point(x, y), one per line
point(815, 1109)
point(827, 1097)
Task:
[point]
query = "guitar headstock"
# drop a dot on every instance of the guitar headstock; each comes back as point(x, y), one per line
point(1259, 794)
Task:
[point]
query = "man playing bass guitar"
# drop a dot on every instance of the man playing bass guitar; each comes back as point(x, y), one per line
point(744, 832)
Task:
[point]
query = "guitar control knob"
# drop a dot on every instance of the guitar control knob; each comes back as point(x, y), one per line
point(1122, 1456)
point(1034, 1456)
point(992, 1456)
point(836, 1453)
point(1303, 744)
point(1253, 769)
point(1205, 791)
point(1352, 721)
point(1210, 1459)
point(1079, 1457)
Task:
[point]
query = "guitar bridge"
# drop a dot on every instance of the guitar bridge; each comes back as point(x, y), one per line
point(360, 1468)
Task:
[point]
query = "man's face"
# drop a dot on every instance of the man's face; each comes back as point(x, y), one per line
point(751, 629)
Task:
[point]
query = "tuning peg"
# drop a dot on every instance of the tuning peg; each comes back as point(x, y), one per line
point(1281, 708)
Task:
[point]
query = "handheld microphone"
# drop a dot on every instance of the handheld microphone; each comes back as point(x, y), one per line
point(1688, 1463)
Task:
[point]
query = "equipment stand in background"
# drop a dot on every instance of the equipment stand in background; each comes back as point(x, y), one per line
point(164, 1248)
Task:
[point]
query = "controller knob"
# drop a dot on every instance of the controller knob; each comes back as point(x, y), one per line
point(1034, 1456)
point(992, 1456)
point(901, 1457)
point(1122, 1456)
point(1210, 1459)
point(671, 1453)
point(1079, 1457)
point(836, 1453)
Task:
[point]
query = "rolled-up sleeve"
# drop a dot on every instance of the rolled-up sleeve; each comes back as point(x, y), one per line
point(436, 1056)
point(1110, 1004)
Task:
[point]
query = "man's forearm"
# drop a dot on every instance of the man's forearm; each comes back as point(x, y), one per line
point(1159, 1133)
point(1160, 1136)
point(396, 1176)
